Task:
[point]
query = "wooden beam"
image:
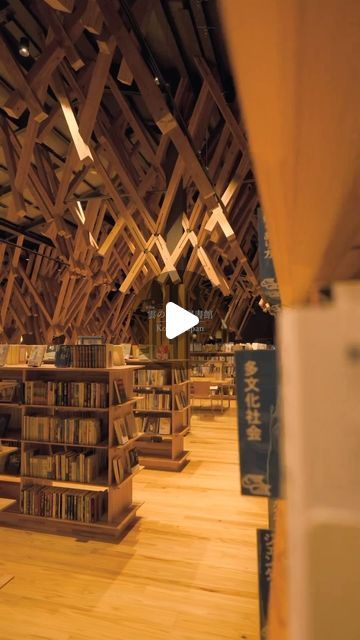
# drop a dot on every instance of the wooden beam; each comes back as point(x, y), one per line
point(17, 198)
point(21, 82)
point(61, 5)
point(38, 75)
point(63, 39)
point(87, 118)
point(34, 292)
point(155, 100)
point(81, 147)
point(221, 103)
point(10, 280)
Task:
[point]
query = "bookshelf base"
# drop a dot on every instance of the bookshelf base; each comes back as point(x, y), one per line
point(158, 463)
point(11, 517)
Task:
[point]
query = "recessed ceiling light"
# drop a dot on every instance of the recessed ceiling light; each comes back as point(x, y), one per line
point(24, 47)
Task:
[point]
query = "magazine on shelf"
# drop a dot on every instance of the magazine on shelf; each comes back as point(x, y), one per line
point(4, 350)
point(121, 431)
point(10, 391)
point(36, 356)
point(120, 393)
point(119, 471)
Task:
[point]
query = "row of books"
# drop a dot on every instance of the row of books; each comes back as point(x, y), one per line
point(227, 347)
point(155, 402)
point(124, 465)
point(152, 377)
point(90, 356)
point(12, 354)
point(212, 357)
point(180, 375)
point(180, 400)
point(50, 502)
point(70, 466)
point(156, 425)
point(211, 370)
point(228, 371)
point(85, 431)
point(125, 428)
point(84, 355)
point(66, 394)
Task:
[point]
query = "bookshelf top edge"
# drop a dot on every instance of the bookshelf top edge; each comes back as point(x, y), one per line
point(52, 367)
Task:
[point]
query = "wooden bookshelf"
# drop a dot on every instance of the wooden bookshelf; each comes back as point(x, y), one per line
point(207, 393)
point(164, 451)
point(212, 379)
point(119, 508)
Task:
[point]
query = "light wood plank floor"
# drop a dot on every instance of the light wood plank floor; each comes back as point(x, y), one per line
point(186, 571)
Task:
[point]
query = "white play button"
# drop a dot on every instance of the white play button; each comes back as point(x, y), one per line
point(178, 320)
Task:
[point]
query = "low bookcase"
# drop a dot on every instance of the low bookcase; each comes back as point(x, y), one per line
point(163, 413)
point(58, 425)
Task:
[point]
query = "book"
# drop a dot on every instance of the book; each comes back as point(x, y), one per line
point(17, 354)
point(180, 375)
point(120, 393)
point(151, 424)
point(119, 471)
point(152, 377)
point(4, 421)
point(164, 426)
point(62, 430)
point(36, 356)
point(10, 391)
point(126, 348)
point(63, 356)
point(180, 400)
point(118, 358)
point(49, 357)
point(120, 431)
point(92, 356)
point(5, 452)
point(4, 350)
point(157, 425)
point(66, 394)
point(63, 504)
point(155, 401)
point(130, 425)
point(13, 462)
point(133, 459)
point(162, 352)
point(67, 465)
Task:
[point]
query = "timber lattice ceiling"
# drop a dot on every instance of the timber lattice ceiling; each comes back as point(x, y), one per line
point(122, 159)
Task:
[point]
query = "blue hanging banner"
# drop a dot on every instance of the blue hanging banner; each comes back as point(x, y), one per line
point(258, 425)
point(265, 541)
point(268, 282)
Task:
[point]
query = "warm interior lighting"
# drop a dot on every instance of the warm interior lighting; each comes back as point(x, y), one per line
point(24, 47)
point(80, 211)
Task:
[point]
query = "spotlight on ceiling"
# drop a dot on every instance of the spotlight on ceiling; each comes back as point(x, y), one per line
point(24, 47)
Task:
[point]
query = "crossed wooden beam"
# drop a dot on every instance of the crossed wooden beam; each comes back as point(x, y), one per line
point(117, 238)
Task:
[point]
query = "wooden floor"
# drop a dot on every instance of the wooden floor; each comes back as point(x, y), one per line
point(186, 571)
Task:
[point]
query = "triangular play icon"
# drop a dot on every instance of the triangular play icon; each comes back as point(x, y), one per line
point(178, 320)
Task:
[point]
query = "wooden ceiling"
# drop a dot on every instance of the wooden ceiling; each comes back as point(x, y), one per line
point(297, 68)
point(122, 159)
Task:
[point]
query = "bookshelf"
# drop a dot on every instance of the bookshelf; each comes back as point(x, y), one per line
point(212, 379)
point(75, 434)
point(163, 413)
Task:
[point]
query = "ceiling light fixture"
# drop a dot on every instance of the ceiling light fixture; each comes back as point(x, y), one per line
point(24, 47)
